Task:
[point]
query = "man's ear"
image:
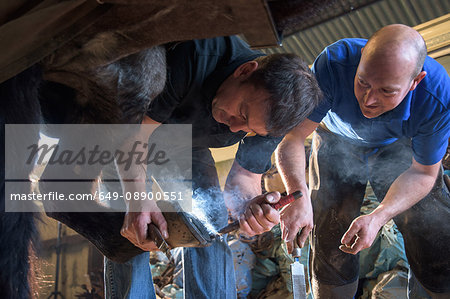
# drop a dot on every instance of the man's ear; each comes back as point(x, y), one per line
point(417, 79)
point(245, 70)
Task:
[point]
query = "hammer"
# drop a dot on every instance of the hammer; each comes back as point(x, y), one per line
point(284, 200)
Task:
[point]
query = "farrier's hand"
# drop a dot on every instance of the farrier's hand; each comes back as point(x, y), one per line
point(297, 216)
point(135, 226)
point(361, 234)
point(290, 245)
point(259, 216)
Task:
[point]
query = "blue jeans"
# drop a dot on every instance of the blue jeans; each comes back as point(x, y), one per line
point(202, 277)
point(131, 280)
point(209, 272)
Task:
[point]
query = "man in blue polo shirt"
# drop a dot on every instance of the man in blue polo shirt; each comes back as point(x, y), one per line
point(385, 119)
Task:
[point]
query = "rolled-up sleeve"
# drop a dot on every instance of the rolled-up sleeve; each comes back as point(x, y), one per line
point(430, 144)
point(254, 153)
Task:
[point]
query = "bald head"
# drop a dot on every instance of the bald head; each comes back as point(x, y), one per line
point(390, 66)
point(399, 44)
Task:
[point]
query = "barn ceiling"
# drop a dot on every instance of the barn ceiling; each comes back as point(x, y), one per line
point(355, 19)
point(67, 30)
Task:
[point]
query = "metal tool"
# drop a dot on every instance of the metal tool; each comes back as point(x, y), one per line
point(285, 200)
point(155, 235)
point(185, 230)
point(298, 273)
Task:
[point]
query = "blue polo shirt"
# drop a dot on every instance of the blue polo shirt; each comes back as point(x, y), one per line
point(423, 115)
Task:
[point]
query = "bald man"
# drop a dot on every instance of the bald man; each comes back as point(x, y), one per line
point(385, 119)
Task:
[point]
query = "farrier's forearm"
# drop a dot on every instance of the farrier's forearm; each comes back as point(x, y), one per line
point(241, 186)
point(134, 175)
point(407, 190)
point(290, 156)
point(291, 163)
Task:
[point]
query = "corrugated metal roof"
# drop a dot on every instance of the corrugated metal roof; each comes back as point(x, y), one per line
point(363, 22)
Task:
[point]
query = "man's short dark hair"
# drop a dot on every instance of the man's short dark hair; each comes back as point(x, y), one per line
point(294, 91)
